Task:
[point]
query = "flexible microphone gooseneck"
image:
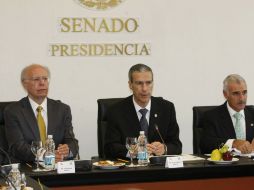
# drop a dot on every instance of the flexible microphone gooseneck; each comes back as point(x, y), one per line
point(75, 143)
point(3, 172)
point(5, 176)
point(162, 140)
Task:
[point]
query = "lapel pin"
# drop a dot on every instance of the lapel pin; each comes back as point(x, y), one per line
point(155, 115)
point(251, 124)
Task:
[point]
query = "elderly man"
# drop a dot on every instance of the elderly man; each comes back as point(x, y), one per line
point(231, 123)
point(35, 116)
point(125, 118)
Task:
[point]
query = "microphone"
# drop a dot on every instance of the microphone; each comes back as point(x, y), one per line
point(75, 142)
point(3, 171)
point(162, 140)
point(6, 155)
point(4, 175)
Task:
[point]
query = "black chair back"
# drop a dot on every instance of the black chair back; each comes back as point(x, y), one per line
point(103, 106)
point(198, 112)
point(3, 140)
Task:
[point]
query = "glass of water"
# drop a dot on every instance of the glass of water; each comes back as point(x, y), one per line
point(131, 145)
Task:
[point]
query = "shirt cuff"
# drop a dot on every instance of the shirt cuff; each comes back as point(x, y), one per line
point(229, 143)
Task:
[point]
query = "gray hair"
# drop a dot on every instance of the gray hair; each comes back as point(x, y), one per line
point(233, 78)
point(139, 68)
point(27, 68)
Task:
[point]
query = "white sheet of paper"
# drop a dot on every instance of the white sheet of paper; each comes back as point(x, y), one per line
point(189, 157)
point(174, 162)
point(66, 167)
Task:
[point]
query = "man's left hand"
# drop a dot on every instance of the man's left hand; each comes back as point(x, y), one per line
point(62, 152)
point(156, 148)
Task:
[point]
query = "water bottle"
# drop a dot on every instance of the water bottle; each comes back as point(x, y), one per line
point(15, 177)
point(142, 150)
point(49, 158)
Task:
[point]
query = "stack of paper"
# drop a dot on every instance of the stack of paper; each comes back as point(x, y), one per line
point(189, 157)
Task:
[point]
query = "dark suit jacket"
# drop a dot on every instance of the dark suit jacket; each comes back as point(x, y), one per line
point(218, 127)
point(123, 122)
point(3, 158)
point(21, 127)
point(3, 146)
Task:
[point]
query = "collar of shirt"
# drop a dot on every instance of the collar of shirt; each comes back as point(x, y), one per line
point(232, 112)
point(137, 108)
point(44, 112)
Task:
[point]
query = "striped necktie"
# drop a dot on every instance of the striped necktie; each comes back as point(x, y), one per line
point(143, 121)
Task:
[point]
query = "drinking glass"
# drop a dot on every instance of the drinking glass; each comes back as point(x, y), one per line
point(36, 146)
point(131, 145)
point(23, 180)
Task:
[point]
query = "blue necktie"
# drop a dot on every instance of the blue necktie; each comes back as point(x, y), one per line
point(143, 122)
point(238, 129)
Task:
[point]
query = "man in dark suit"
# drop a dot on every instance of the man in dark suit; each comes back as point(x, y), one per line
point(21, 118)
point(221, 125)
point(124, 118)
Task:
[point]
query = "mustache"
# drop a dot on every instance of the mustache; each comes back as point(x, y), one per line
point(242, 102)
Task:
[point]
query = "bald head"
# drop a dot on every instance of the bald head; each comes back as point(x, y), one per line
point(26, 71)
point(35, 80)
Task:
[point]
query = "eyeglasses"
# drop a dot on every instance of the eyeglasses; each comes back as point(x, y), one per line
point(141, 83)
point(38, 79)
point(239, 93)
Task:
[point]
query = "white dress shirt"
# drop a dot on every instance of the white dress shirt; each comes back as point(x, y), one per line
point(44, 111)
point(137, 108)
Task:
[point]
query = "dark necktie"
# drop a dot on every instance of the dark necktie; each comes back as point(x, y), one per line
point(143, 121)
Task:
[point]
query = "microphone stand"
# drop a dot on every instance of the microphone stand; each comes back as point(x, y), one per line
point(162, 140)
point(77, 157)
point(3, 173)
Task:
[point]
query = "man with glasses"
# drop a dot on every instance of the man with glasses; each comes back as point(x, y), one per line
point(142, 111)
point(35, 116)
point(231, 123)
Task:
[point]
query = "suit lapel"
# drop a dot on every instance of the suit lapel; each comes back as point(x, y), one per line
point(30, 117)
point(51, 115)
point(130, 114)
point(227, 121)
point(154, 114)
point(249, 124)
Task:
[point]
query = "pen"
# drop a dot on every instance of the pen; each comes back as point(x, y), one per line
point(29, 165)
point(119, 159)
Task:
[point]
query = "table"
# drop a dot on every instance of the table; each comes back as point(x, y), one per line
point(196, 175)
point(30, 182)
point(201, 184)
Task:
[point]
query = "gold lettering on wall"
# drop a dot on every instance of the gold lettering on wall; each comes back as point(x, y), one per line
point(103, 49)
point(82, 25)
point(99, 25)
